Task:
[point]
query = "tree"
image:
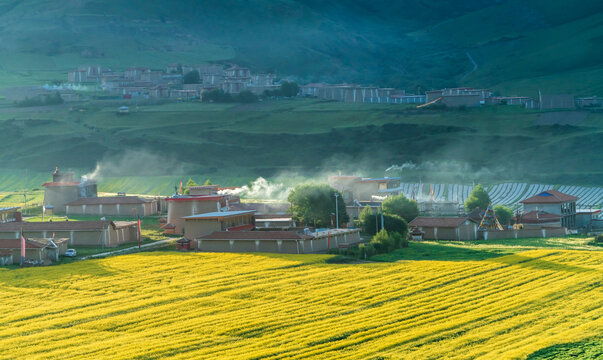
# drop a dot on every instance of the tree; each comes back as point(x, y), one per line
point(207, 182)
point(247, 96)
point(289, 89)
point(381, 241)
point(191, 77)
point(478, 198)
point(401, 206)
point(217, 95)
point(504, 214)
point(313, 204)
point(392, 223)
point(189, 183)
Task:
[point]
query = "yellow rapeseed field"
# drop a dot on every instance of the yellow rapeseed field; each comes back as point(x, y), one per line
point(243, 306)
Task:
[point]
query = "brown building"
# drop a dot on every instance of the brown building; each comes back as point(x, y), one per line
point(63, 190)
point(81, 233)
point(180, 206)
point(540, 219)
point(196, 226)
point(557, 101)
point(446, 228)
point(112, 206)
point(287, 242)
point(9, 214)
point(553, 202)
point(40, 250)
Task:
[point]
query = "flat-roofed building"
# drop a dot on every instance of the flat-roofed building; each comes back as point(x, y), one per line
point(112, 206)
point(286, 242)
point(202, 224)
point(10, 214)
point(83, 233)
point(180, 206)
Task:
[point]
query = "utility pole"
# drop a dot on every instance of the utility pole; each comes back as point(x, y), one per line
point(25, 201)
point(336, 210)
point(382, 225)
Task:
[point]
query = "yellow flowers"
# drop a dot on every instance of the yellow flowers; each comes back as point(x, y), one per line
point(242, 306)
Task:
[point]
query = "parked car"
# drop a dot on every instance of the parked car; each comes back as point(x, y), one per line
point(71, 253)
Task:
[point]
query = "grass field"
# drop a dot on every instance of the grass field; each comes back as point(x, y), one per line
point(158, 305)
point(153, 148)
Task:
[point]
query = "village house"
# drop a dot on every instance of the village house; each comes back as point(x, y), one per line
point(39, 250)
point(446, 228)
point(508, 100)
point(552, 202)
point(180, 206)
point(10, 214)
point(62, 190)
point(120, 205)
point(80, 233)
point(286, 242)
point(556, 101)
point(591, 101)
point(202, 224)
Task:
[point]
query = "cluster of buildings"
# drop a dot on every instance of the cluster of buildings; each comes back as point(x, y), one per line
point(170, 83)
point(211, 220)
point(449, 97)
point(549, 213)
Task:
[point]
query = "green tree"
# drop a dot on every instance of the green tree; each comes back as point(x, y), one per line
point(191, 77)
point(189, 183)
point(217, 96)
point(382, 242)
point(247, 96)
point(207, 182)
point(392, 223)
point(289, 89)
point(401, 206)
point(478, 198)
point(313, 204)
point(504, 214)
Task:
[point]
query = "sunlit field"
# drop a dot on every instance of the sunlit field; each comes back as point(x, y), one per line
point(240, 306)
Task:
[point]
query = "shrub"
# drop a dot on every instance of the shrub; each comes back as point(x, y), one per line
point(401, 206)
point(391, 223)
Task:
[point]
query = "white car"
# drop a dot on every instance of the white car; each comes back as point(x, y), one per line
point(71, 253)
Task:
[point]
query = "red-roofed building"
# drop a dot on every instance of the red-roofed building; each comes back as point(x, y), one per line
point(553, 202)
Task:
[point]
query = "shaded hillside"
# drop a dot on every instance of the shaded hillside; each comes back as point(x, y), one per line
point(410, 44)
point(308, 136)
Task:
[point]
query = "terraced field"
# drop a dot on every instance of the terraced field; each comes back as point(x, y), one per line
point(507, 193)
point(240, 306)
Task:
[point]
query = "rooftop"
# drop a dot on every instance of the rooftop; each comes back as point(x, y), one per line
point(218, 214)
point(255, 235)
point(55, 225)
point(109, 200)
point(450, 222)
point(549, 197)
point(539, 217)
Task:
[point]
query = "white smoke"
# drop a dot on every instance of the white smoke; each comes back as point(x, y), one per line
point(406, 165)
point(260, 189)
point(134, 163)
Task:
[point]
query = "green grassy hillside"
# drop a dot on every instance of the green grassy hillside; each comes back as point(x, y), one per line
point(518, 47)
point(234, 143)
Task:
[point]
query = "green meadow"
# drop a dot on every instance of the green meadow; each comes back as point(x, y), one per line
point(155, 146)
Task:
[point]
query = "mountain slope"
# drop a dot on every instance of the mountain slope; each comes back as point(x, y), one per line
point(405, 43)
